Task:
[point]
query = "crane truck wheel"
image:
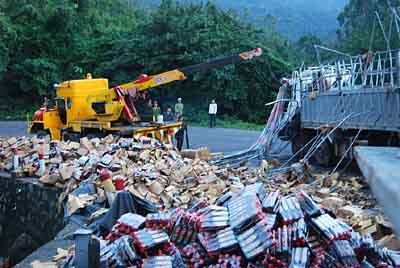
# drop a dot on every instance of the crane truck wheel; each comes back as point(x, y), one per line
point(41, 133)
point(68, 136)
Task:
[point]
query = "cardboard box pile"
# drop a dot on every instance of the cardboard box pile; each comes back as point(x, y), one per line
point(145, 167)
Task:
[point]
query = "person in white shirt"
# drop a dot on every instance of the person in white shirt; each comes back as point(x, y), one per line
point(212, 113)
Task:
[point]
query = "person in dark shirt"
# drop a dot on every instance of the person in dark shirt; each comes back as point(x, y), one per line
point(180, 134)
point(143, 106)
point(169, 115)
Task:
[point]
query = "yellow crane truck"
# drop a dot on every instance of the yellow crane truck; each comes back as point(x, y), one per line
point(89, 107)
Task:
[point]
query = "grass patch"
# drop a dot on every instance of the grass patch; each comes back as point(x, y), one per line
point(15, 115)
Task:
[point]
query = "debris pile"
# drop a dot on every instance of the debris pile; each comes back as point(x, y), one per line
point(348, 197)
point(209, 216)
point(145, 167)
point(250, 228)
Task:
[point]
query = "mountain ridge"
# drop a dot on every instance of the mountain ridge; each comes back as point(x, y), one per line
point(294, 18)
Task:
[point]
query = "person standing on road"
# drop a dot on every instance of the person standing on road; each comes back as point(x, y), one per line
point(169, 115)
point(179, 108)
point(212, 113)
point(156, 111)
point(180, 134)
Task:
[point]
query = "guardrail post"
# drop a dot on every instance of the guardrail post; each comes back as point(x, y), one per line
point(87, 249)
point(338, 76)
point(398, 67)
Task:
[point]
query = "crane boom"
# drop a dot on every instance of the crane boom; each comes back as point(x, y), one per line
point(145, 82)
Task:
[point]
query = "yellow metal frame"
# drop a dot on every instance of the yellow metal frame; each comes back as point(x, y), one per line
point(155, 81)
point(51, 122)
point(79, 126)
point(159, 132)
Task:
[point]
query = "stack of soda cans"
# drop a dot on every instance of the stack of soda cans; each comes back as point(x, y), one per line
point(195, 255)
point(120, 253)
point(255, 240)
point(217, 242)
point(321, 257)
point(331, 229)
point(199, 204)
point(147, 239)
point(212, 218)
point(158, 261)
point(271, 202)
point(372, 254)
point(244, 211)
point(299, 233)
point(250, 228)
point(290, 210)
point(300, 257)
point(184, 229)
point(256, 188)
point(126, 225)
point(283, 238)
point(344, 253)
point(249, 223)
point(159, 221)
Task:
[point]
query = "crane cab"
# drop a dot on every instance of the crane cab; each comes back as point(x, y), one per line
point(80, 95)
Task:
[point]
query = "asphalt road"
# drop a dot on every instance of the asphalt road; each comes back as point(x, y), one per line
point(12, 128)
point(216, 139)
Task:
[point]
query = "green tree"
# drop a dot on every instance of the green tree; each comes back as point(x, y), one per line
point(48, 41)
point(357, 24)
point(43, 33)
point(178, 35)
point(305, 49)
point(8, 34)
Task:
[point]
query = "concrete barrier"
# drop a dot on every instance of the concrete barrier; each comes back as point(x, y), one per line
point(381, 168)
point(28, 215)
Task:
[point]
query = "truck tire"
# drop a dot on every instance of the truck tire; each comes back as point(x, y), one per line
point(299, 140)
point(324, 154)
point(297, 144)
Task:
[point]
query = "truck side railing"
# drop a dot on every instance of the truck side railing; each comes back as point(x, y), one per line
point(369, 70)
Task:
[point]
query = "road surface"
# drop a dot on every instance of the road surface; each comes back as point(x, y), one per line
point(216, 139)
point(12, 128)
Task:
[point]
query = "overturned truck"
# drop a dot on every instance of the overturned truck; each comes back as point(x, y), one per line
point(353, 100)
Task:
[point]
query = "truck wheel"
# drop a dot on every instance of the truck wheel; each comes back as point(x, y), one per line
point(297, 144)
point(41, 134)
point(324, 155)
point(299, 141)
